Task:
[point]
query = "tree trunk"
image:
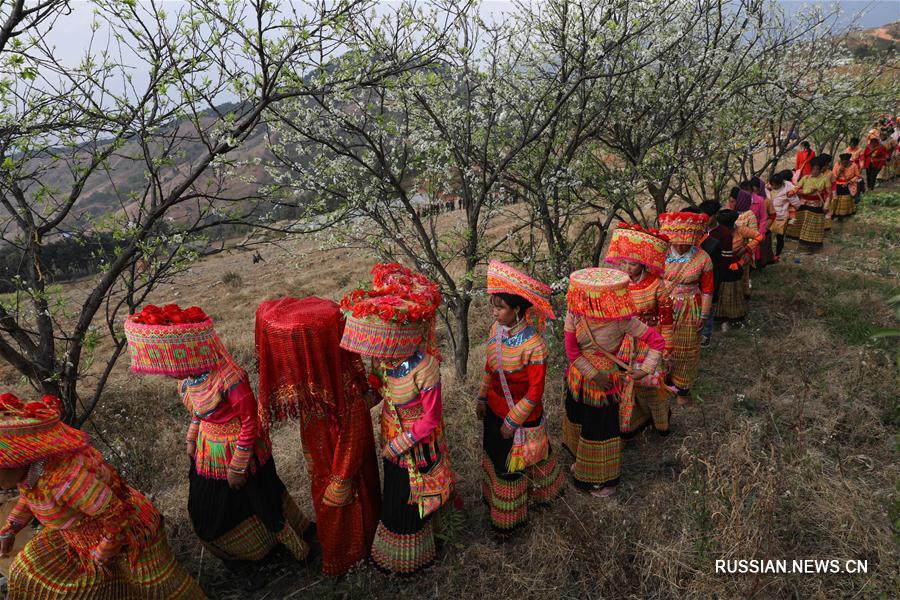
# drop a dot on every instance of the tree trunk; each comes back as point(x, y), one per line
point(461, 353)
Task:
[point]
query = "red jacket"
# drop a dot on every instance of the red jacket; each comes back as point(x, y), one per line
point(875, 157)
point(802, 163)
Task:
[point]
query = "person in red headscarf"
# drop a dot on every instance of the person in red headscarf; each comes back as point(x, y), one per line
point(100, 538)
point(304, 374)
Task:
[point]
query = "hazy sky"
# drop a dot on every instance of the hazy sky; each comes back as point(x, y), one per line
point(72, 34)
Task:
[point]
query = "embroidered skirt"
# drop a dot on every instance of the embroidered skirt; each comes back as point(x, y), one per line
point(686, 350)
point(245, 524)
point(508, 494)
point(598, 450)
point(813, 231)
point(844, 206)
point(651, 406)
point(732, 301)
point(44, 570)
point(404, 541)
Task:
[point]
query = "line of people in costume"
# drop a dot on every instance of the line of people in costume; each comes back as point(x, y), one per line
point(632, 339)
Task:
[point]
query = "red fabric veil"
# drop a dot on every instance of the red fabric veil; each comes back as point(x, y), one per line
point(302, 370)
point(304, 374)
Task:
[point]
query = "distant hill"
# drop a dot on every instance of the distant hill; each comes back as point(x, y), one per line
point(877, 41)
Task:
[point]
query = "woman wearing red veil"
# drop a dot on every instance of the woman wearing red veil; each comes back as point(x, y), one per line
point(304, 374)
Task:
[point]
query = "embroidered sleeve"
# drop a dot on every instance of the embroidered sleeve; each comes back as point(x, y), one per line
point(522, 410)
point(18, 517)
point(244, 403)
point(652, 338)
point(428, 380)
point(82, 489)
point(348, 452)
point(193, 429)
point(431, 416)
point(573, 349)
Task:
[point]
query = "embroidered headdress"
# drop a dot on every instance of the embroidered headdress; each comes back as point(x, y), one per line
point(173, 342)
point(394, 318)
point(600, 293)
point(683, 227)
point(634, 243)
point(503, 279)
point(33, 431)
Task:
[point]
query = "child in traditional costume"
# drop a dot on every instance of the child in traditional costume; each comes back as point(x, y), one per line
point(238, 506)
point(641, 253)
point(519, 465)
point(846, 178)
point(813, 190)
point(600, 314)
point(304, 374)
point(101, 539)
point(782, 204)
point(393, 324)
point(761, 208)
point(732, 308)
point(689, 283)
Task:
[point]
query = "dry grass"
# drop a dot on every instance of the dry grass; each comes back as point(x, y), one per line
point(790, 451)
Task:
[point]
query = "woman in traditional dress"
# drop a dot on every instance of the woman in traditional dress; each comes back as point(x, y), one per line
point(101, 539)
point(304, 374)
point(813, 191)
point(641, 253)
point(874, 158)
point(600, 314)
point(689, 283)
point(238, 506)
point(519, 465)
point(846, 178)
point(395, 330)
point(826, 162)
point(763, 218)
point(890, 145)
point(781, 203)
point(747, 229)
point(732, 296)
point(856, 157)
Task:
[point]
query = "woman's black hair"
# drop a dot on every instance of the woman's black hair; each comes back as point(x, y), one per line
point(854, 141)
point(735, 191)
point(513, 301)
point(776, 180)
point(786, 175)
point(805, 144)
point(746, 185)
